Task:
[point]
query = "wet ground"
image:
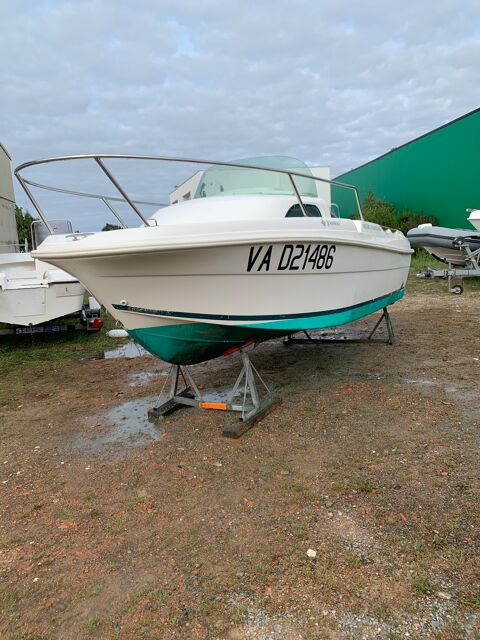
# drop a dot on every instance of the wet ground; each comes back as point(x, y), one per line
point(127, 350)
point(114, 527)
point(124, 426)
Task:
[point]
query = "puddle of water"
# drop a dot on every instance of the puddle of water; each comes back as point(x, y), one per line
point(466, 397)
point(141, 378)
point(127, 425)
point(420, 382)
point(128, 350)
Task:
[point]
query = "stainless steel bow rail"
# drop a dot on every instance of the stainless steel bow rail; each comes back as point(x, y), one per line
point(99, 159)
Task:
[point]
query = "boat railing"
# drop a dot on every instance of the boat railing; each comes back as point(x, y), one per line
point(17, 247)
point(99, 159)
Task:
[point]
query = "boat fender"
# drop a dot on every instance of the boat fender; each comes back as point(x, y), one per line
point(117, 333)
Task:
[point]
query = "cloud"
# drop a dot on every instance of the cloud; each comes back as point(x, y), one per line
point(333, 83)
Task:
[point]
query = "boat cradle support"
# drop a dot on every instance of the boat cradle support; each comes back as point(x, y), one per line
point(370, 338)
point(252, 406)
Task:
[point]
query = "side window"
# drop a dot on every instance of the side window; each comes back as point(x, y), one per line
point(312, 210)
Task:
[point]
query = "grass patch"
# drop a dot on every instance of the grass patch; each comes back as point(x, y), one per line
point(381, 613)
point(237, 615)
point(362, 485)
point(455, 555)
point(279, 465)
point(300, 493)
point(354, 561)
point(158, 595)
point(47, 350)
point(93, 624)
point(421, 259)
point(471, 600)
point(12, 540)
point(423, 586)
point(300, 530)
point(8, 599)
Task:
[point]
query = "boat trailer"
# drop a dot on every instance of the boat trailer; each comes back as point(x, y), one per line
point(451, 273)
point(88, 319)
point(244, 398)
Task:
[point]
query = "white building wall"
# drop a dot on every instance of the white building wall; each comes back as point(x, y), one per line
point(8, 227)
point(187, 189)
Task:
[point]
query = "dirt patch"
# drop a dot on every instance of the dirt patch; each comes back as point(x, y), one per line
point(112, 530)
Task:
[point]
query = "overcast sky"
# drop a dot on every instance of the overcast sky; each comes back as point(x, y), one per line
point(331, 82)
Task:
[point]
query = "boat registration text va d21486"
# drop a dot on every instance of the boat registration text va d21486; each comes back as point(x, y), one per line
point(294, 257)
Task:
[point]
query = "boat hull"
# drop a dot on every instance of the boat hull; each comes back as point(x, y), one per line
point(190, 304)
point(193, 342)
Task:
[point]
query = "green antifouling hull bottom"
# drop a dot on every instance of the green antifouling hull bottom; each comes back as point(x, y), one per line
point(193, 342)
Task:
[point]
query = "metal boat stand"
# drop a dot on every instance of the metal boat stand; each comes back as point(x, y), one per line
point(311, 340)
point(252, 407)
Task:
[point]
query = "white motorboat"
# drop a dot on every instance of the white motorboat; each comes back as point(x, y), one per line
point(474, 218)
point(246, 260)
point(33, 292)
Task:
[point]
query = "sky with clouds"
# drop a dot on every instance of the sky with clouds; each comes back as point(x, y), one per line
point(332, 82)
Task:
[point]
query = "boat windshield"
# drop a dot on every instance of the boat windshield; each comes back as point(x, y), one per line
point(221, 181)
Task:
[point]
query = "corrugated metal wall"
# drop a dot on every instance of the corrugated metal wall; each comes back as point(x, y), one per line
point(437, 174)
point(8, 228)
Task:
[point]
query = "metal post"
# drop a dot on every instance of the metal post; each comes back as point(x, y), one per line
point(120, 189)
point(298, 195)
point(36, 205)
point(250, 379)
point(358, 203)
point(117, 215)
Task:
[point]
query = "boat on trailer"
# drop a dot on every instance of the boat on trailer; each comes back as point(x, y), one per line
point(445, 244)
point(459, 249)
point(255, 255)
point(33, 292)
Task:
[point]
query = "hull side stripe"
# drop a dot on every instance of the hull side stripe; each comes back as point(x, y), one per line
point(212, 316)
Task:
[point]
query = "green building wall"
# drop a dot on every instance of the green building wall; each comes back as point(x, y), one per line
point(436, 174)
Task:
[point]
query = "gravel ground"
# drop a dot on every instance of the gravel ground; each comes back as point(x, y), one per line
point(114, 528)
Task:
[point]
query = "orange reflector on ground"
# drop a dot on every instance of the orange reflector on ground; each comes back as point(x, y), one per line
point(213, 405)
